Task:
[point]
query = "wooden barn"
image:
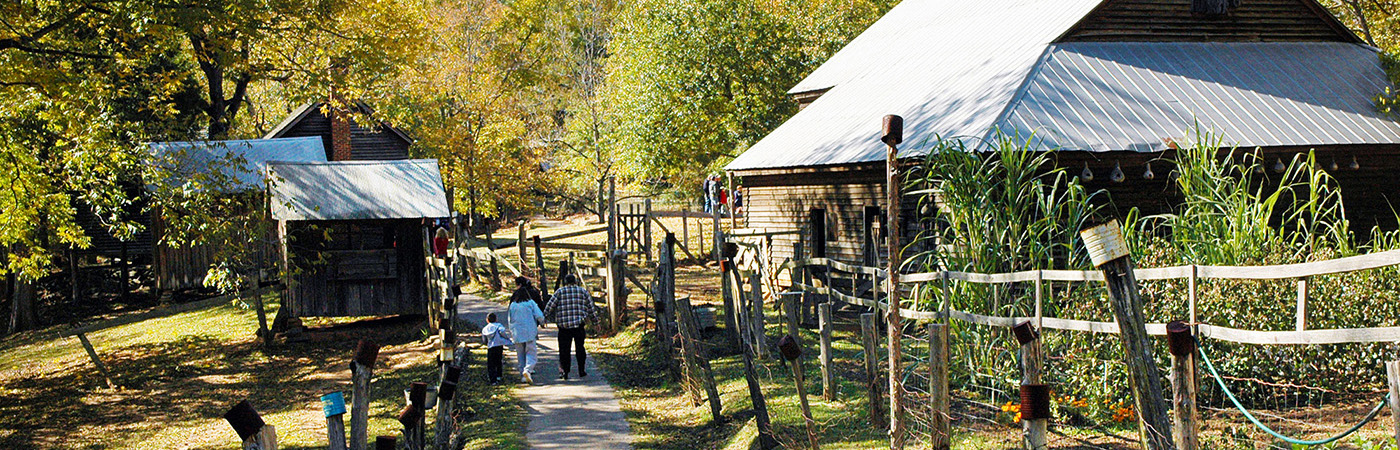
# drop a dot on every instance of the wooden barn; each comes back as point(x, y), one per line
point(1102, 83)
point(244, 162)
point(353, 236)
point(344, 138)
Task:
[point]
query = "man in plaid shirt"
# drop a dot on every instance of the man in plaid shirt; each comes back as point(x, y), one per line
point(571, 308)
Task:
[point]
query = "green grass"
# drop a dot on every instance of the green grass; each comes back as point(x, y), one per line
point(662, 416)
point(177, 375)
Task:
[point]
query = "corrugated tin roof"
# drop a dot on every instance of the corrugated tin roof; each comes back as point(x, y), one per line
point(244, 160)
point(964, 69)
point(355, 190)
point(947, 66)
point(1135, 96)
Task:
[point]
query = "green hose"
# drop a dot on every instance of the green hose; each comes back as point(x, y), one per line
point(1221, 382)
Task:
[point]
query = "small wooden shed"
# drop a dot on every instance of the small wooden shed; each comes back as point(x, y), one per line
point(353, 234)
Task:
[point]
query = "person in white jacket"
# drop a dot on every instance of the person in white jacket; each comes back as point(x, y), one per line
point(525, 319)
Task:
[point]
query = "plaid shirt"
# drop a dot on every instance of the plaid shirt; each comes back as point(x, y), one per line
point(570, 307)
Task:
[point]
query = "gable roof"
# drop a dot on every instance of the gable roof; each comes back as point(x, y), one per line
point(301, 113)
point(966, 69)
point(356, 190)
point(243, 160)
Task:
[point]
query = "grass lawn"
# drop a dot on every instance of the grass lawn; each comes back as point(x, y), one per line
point(177, 375)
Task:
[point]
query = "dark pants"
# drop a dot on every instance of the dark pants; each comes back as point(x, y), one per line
point(493, 362)
point(574, 337)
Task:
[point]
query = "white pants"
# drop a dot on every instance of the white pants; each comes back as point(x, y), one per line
point(526, 354)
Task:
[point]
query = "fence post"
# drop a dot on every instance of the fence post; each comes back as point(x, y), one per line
point(1034, 406)
point(491, 253)
point(793, 353)
point(760, 338)
point(646, 230)
point(689, 345)
point(333, 405)
point(1110, 254)
point(1392, 372)
point(869, 340)
point(1183, 350)
point(666, 302)
point(892, 136)
point(520, 246)
point(940, 436)
point(361, 371)
point(824, 323)
point(731, 323)
point(1301, 321)
point(760, 405)
point(539, 264)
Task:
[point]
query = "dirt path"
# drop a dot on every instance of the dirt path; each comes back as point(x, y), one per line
point(578, 413)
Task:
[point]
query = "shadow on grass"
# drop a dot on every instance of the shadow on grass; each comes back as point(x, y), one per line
point(192, 378)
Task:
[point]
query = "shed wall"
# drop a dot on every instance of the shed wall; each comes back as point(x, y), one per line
point(375, 268)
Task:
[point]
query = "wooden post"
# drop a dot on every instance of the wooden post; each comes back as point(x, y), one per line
point(539, 264)
point(798, 371)
point(1301, 320)
point(333, 405)
point(491, 253)
point(1392, 372)
point(729, 201)
point(253, 432)
point(869, 339)
point(685, 229)
point(731, 323)
point(1110, 254)
point(760, 406)
point(1183, 350)
point(718, 237)
point(689, 345)
point(92, 353)
point(612, 214)
point(266, 439)
point(446, 423)
point(941, 436)
point(824, 323)
point(646, 230)
point(1033, 429)
point(520, 246)
point(760, 338)
point(361, 371)
point(893, 135)
point(666, 302)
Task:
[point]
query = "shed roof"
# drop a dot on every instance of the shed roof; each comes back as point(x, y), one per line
point(357, 190)
point(967, 69)
point(243, 160)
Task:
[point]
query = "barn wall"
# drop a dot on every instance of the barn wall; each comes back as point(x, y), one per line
point(1172, 21)
point(375, 268)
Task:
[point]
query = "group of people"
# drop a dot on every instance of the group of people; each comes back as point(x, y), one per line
point(717, 197)
point(570, 308)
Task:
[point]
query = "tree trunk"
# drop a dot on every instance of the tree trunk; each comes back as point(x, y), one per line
point(22, 316)
point(602, 199)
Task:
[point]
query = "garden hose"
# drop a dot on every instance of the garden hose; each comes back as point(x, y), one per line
point(1221, 382)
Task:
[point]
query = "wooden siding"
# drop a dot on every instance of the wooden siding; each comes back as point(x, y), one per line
point(368, 268)
point(1172, 21)
point(365, 143)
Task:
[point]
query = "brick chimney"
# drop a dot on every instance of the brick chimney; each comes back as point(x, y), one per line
point(340, 128)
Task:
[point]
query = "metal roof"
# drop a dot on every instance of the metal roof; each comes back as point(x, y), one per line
point(947, 66)
point(1136, 96)
point(244, 160)
point(356, 190)
point(965, 69)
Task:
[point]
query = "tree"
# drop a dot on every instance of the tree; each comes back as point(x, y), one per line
point(478, 97)
point(693, 83)
point(1378, 23)
point(584, 152)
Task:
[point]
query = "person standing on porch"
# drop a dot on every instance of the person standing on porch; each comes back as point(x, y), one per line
point(525, 319)
point(571, 308)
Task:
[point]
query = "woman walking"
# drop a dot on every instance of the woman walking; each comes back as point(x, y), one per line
point(525, 318)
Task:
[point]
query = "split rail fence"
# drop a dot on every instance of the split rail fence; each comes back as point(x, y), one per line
point(924, 398)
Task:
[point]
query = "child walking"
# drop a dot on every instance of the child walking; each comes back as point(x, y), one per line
point(497, 338)
point(525, 319)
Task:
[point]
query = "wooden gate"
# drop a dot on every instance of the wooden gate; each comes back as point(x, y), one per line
point(634, 229)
